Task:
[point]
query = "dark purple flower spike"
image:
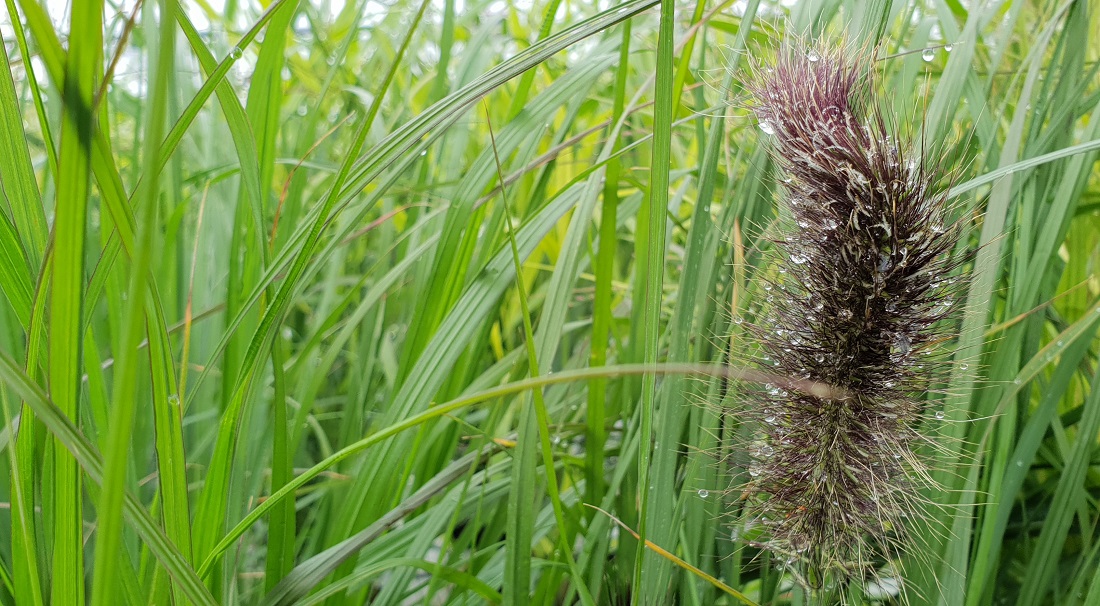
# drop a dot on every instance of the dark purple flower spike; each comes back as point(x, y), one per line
point(860, 301)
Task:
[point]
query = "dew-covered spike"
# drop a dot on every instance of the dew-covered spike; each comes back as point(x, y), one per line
point(858, 301)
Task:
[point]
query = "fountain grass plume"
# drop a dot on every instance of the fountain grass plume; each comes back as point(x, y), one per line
point(861, 300)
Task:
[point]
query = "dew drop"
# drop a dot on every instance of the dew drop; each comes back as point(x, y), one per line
point(819, 306)
point(903, 344)
point(813, 56)
point(928, 54)
point(767, 450)
point(830, 224)
point(819, 358)
point(767, 127)
point(1019, 463)
point(770, 419)
point(940, 415)
point(754, 472)
point(703, 493)
point(173, 400)
point(845, 314)
point(798, 259)
point(423, 153)
point(948, 48)
point(735, 534)
point(964, 366)
point(803, 223)
point(236, 53)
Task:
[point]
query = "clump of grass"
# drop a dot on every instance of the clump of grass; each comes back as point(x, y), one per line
point(858, 302)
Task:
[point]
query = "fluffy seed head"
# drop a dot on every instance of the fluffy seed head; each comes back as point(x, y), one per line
point(861, 301)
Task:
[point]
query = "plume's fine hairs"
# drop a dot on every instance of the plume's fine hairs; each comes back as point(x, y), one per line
point(861, 300)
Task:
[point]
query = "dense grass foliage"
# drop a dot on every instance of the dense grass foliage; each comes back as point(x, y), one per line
point(442, 302)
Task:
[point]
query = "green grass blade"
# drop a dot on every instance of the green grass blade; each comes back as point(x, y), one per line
point(67, 296)
point(124, 386)
point(280, 547)
point(25, 584)
point(169, 438)
point(36, 92)
point(652, 275)
point(17, 174)
point(595, 417)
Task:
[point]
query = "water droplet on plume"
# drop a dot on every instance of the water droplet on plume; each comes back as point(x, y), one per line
point(940, 415)
point(928, 54)
point(703, 493)
point(903, 344)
